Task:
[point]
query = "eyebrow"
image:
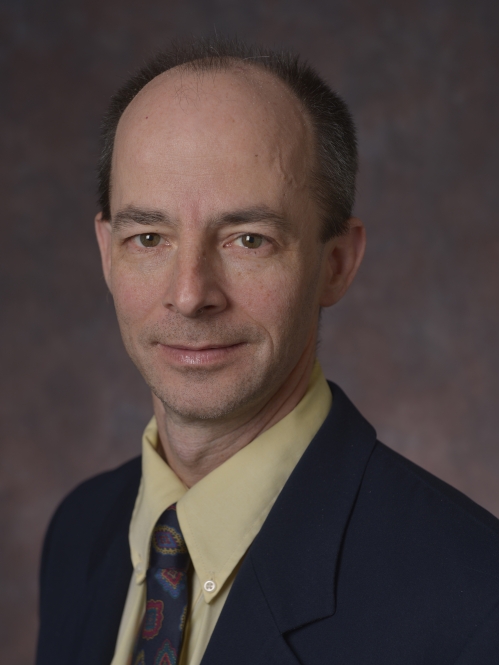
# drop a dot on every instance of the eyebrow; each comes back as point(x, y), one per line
point(259, 213)
point(132, 215)
point(150, 217)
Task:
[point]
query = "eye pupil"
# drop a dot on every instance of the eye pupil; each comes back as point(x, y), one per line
point(251, 241)
point(149, 239)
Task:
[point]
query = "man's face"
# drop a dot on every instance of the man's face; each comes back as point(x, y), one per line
point(213, 255)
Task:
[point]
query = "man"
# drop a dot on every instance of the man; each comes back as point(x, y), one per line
point(265, 523)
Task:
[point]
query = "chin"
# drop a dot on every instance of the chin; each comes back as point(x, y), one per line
point(206, 396)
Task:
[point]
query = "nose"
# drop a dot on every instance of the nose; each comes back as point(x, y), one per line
point(194, 287)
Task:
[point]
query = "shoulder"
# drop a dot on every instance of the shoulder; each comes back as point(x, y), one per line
point(403, 507)
point(89, 500)
point(83, 513)
point(420, 534)
point(424, 559)
point(427, 501)
point(106, 485)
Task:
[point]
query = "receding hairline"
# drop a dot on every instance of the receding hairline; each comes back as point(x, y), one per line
point(334, 148)
point(252, 74)
point(250, 70)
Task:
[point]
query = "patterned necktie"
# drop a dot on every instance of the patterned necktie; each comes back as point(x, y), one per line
point(160, 636)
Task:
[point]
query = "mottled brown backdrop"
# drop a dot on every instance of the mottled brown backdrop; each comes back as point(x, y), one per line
point(415, 341)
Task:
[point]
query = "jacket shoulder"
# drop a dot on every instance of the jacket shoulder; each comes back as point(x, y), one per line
point(85, 508)
point(436, 497)
point(89, 494)
point(428, 538)
point(428, 552)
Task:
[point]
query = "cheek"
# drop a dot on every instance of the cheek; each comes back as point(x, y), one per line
point(134, 296)
point(272, 299)
point(290, 303)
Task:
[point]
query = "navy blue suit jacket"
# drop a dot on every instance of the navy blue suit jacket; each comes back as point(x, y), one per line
point(365, 559)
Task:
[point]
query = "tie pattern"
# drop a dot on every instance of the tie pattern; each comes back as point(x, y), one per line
point(160, 636)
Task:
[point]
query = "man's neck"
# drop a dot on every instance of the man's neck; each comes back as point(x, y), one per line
point(193, 450)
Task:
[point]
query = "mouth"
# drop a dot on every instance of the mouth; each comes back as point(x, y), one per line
point(204, 347)
point(199, 355)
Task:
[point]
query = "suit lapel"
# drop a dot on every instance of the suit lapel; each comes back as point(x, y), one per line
point(288, 577)
point(297, 550)
point(246, 632)
point(109, 574)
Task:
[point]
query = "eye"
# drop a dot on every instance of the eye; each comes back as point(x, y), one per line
point(148, 239)
point(250, 240)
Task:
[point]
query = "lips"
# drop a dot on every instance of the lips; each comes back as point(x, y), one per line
point(204, 355)
point(204, 347)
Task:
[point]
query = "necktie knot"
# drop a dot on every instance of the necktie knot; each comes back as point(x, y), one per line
point(167, 543)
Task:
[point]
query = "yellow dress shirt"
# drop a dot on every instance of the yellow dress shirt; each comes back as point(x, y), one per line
point(219, 516)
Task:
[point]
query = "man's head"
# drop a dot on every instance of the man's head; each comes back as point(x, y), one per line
point(219, 242)
point(333, 133)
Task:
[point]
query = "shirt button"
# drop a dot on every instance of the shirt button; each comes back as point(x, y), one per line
point(210, 586)
point(139, 568)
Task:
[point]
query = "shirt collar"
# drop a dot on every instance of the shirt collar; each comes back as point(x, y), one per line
point(159, 488)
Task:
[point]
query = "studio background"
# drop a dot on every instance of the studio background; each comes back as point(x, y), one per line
point(414, 343)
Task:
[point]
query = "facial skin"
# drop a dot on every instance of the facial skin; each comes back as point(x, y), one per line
point(213, 257)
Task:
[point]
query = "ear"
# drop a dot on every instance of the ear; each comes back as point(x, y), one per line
point(342, 257)
point(103, 233)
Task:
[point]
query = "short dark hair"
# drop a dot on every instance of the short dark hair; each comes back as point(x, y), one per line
point(333, 179)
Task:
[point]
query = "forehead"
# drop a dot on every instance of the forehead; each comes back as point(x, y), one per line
point(241, 127)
